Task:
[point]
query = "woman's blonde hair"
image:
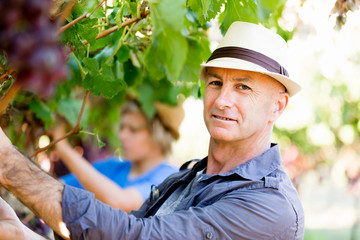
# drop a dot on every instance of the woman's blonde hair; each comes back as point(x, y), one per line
point(159, 132)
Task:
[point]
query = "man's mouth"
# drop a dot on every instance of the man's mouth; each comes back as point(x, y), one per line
point(223, 118)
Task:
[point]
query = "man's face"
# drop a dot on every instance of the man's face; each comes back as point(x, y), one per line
point(240, 105)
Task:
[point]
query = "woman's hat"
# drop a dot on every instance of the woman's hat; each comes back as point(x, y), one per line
point(252, 47)
point(171, 116)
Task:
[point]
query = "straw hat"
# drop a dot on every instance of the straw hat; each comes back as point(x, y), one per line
point(252, 47)
point(170, 116)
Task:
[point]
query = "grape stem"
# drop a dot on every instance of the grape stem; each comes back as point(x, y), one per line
point(115, 28)
point(87, 15)
point(5, 75)
point(121, 41)
point(82, 72)
point(74, 131)
point(8, 96)
point(63, 28)
point(66, 11)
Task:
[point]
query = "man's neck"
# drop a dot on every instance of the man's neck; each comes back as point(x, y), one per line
point(225, 156)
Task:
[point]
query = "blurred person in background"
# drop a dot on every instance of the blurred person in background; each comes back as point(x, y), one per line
point(126, 182)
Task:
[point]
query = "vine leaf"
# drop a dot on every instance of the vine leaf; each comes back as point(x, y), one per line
point(205, 9)
point(70, 108)
point(86, 31)
point(244, 10)
point(167, 53)
point(167, 14)
point(84, 6)
point(166, 56)
point(101, 81)
point(99, 141)
point(42, 111)
point(198, 52)
point(146, 98)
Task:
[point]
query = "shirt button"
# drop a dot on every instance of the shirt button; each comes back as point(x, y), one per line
point(209, 235)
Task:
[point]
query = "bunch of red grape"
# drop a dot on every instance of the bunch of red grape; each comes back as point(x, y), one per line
point(28, 36)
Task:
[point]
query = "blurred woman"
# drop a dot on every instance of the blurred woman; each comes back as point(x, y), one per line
point(125, 183)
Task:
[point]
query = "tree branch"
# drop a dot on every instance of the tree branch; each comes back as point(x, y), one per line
point(74, 131)
point(4, 76)
point(8, 96)
point(115, 28)
point(63, 28)
point(66, 11)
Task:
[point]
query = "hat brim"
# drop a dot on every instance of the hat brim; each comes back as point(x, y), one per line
point(291, 86)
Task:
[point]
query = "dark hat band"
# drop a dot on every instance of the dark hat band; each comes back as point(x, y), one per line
point(251, 56)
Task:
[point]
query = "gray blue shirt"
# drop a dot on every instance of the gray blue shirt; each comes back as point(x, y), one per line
point(255, 200)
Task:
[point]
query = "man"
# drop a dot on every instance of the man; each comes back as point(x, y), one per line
point(240, 191)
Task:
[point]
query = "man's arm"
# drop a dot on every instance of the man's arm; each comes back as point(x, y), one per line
point(237, 215)
point(32, 186)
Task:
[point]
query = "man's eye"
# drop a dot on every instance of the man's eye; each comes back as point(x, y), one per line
point(215, 83)
point(244, 87)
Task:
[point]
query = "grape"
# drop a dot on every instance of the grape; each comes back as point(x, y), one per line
point(28, 37)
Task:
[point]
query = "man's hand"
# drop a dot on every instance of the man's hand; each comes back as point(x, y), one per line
point(11, 227)
point(36, 189)
point(4, 140)
point(5, 146)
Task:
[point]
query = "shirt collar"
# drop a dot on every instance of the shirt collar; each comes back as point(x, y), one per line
point(256, 168)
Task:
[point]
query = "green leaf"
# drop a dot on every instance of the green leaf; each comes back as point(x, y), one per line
point(118, 70)
point(146, 99)
point(244, 10)
point(83, 7)
point(118, 17)
point(91, 64)
point(132, 74)
point(42, 111)
point(132, 10)
point(99, 13)
point(205, 9)
point(165, 91)
point(166, 55)
point(101, 82)
point(123, 54)
point(70, 109)
point(167, 14)
point(71, 36)
point(105, 53)
point(86, 31)
point(271, 4)
point(75, 77)
point(198, 53)
point(115, 3)
point(100, 143)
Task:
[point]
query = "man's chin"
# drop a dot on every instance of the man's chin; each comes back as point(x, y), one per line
point(223, 136)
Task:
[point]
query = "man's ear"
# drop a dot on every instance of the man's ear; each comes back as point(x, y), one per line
point(279, 106)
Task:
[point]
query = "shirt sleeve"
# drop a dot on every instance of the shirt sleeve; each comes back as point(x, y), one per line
point(228, 218)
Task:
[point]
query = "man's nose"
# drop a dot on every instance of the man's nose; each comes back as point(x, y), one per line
point(224, 99)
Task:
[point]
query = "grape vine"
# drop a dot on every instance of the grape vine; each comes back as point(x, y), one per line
point(28, 37)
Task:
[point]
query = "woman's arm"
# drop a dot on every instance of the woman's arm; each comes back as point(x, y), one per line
point(104, 189)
